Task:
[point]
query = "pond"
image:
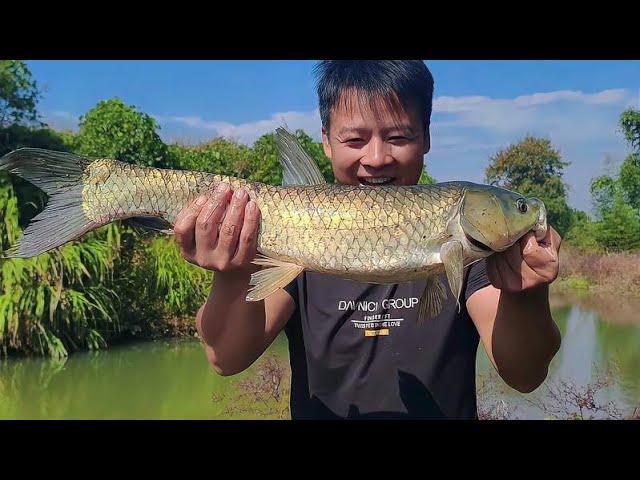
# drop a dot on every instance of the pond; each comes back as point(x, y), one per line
point(596, 374)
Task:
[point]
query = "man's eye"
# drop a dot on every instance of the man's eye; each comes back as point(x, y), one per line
point(398, 139)
point(355, 140)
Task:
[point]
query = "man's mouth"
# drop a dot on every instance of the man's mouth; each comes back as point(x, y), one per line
point(375, 181)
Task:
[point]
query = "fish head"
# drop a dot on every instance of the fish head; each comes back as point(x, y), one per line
point(494, 218)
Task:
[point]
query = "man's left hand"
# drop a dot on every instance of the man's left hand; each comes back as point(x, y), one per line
point(527, 264)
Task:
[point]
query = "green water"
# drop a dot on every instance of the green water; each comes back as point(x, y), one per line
point(172, 379)
point(147, 380)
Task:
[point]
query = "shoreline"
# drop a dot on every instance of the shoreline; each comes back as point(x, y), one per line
point(590, 272)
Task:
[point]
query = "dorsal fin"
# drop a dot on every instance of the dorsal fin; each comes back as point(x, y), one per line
point(298, 168)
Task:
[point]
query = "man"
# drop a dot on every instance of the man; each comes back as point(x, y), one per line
point(375, 129)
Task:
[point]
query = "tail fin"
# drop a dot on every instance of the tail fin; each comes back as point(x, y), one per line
point(59, 175)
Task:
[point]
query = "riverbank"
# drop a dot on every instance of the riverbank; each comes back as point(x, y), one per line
point(584, 273)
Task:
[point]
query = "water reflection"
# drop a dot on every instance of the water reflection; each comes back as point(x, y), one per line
point(599, 355)
point(579, 347)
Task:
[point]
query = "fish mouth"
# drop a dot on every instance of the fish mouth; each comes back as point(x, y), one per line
point(477, 244)
point(541, 227)
point(375, 181)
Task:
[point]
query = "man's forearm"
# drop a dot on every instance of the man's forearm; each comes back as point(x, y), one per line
point(525, 337)
point(232, 328)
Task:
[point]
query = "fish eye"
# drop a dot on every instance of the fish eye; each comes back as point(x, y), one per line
point(522, 205)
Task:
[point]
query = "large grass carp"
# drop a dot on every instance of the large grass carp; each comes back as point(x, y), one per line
point(386, 234)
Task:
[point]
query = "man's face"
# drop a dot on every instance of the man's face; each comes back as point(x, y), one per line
point(381, 146)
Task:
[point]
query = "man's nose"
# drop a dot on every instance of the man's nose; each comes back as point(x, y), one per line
point(378, 154)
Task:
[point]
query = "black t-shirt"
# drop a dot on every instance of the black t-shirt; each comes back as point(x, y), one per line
point(356, 350)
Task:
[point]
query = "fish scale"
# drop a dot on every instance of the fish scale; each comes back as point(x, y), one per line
point(364, 234)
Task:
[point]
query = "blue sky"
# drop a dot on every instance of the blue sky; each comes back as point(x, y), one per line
point(479, 106)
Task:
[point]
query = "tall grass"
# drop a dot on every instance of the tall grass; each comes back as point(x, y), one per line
point(160, 292)
point(56, 302)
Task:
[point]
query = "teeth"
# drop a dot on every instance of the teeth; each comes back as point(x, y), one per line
point(376, 180)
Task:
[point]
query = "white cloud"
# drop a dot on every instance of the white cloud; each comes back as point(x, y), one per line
point(446, 104)
point(61, 120)
point(612, 96)
point(249, 132)
point(525, 111)
point(67, 115)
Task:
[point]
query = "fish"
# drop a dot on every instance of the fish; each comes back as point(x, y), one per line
point(373, 234)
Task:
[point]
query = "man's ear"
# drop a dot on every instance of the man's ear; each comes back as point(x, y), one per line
point(427, 141)
point(326, 146)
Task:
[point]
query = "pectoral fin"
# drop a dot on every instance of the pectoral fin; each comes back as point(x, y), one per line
point(432, 299)
point(266, 281)
point(452, 256)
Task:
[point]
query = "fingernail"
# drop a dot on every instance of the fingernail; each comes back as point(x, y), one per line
point(240, 194)
point(222, 188)
point(251, 207)
point(201, 201)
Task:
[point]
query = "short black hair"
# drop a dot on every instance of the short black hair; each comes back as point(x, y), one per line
point(408, 81)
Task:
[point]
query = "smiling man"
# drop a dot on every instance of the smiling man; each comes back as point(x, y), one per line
point(356, 350)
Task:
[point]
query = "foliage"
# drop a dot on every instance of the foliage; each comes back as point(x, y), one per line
point(630, 124)
point(220, 156)
point(156, 285)
point(583, 232)
point(116, 130)
point(426, 179)
point(616, 200)
point(258, 163)
point(57, 301)
point(19, 94)
point(629, 179)
point(532, 167)
point(619, 228)
point(18, 136)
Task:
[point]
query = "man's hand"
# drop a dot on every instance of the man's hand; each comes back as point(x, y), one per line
point(527, 264)
point(513, 316)
point(219, 232)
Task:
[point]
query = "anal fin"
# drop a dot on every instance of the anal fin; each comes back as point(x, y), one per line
point(267, 281)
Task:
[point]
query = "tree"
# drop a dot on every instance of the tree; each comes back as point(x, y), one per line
point(630, 123)
point(19, 94)
point(630, 170)
point(219, 156)
point(115, 130)
point(626, 185)
point(619, 228)
point(630, 180)
point(426, 179)
point(532, 167)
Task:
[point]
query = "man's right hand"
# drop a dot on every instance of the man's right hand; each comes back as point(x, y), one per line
point(219, 232)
